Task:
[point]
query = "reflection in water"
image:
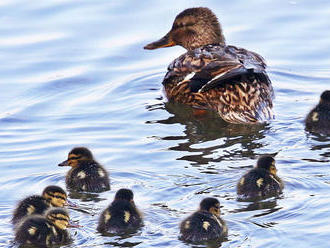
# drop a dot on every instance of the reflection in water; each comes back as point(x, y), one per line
point(232, 140)
point(270, 205)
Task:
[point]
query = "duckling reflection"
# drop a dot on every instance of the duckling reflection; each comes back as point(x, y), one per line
point(261, 181)
point(85, 174)
point(205, 224)
point(318, 120)
point(44, 231)
point(121, 215)
point(52, 195)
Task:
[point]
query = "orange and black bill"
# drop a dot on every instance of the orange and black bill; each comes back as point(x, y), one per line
point(64, 163)
point(166, 41)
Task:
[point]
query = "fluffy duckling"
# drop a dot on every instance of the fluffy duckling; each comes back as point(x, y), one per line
point(318, 120)
point(52, 196)
point(85, 174)
point(261, 181)
point(212, 75)
point(205, 224)
point(121, 215)
point(44, 231)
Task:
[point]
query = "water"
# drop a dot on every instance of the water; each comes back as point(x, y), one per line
point(74, 73)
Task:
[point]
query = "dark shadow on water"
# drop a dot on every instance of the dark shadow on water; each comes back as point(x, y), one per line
point(85, 196)
point(210, 127)
point(270, 205)
point(320, 142)
point(119, 238)
point(208, 244)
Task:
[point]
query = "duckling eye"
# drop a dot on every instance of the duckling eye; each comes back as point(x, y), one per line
point(74, 158)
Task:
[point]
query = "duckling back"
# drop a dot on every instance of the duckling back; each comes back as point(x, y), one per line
point(258, 183)
point(89, 176)
point(120, 216)
point(34, 204)
point(38, 231)
point(202, 226)
point(318, 120)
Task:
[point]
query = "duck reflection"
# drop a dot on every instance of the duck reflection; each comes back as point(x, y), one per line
point(230, 140)
point(269, 205)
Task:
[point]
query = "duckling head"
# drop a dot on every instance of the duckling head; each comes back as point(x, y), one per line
point(192, 28)
point(55, 195)
point(211, 205)
point(58, 217)
point(76, 156)
point(267, 163)
point(325, 97)
point(124, 194)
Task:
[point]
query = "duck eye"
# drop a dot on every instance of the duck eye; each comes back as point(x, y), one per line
point(74, 158)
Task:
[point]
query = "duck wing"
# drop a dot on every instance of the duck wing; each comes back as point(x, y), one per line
point(233, 79)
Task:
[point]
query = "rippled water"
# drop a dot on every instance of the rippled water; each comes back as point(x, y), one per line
point(74, 73)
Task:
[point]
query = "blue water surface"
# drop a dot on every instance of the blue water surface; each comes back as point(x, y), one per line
point(74, 73)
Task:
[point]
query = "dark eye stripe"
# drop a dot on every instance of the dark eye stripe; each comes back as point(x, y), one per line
point(73, 158)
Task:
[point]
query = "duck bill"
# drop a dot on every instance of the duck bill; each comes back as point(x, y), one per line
point(73, 225)
point(166, 41)
point(64, 163)
point(70, 204)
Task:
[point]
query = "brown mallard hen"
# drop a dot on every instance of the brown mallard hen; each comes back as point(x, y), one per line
point(212, 75)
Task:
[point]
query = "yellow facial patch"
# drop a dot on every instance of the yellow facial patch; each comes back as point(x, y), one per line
point(107, 216)
point(206, 225)
point(30, 210)
point(32, 230)
point(260, 181)
point(127, 216)
point(241, 182)
point(315, 116)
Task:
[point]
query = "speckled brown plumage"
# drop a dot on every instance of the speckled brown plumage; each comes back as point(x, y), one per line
point(212, 75)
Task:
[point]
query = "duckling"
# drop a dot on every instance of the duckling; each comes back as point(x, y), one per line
point(261, 181)
point(205, 224)
point(86, 174)
point(212, 75)
point(52, 196)
point(318, 120)
point(121, 215)
point(44, 231)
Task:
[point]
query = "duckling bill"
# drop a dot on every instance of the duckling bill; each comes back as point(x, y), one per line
point(261, 181)
point(214, 76)
point(85, 174)
point(318, 119)
point(121, 215)
point(44, 231)
point(205, 224)
point(52, 196)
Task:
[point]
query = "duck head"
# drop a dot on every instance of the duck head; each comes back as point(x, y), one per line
point(192, 28)
point(267, 163)
point(125, 194)
point(211, 205)
point(325, 97)
point(59, 218)
point(55, 195)
point(76, 156)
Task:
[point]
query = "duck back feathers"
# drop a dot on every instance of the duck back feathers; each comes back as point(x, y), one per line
point(90, 176)
point(38, 231)
point(120, 216)
point(34, 204)
point(227, 79)
point(259, 183)
point(202, 226)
